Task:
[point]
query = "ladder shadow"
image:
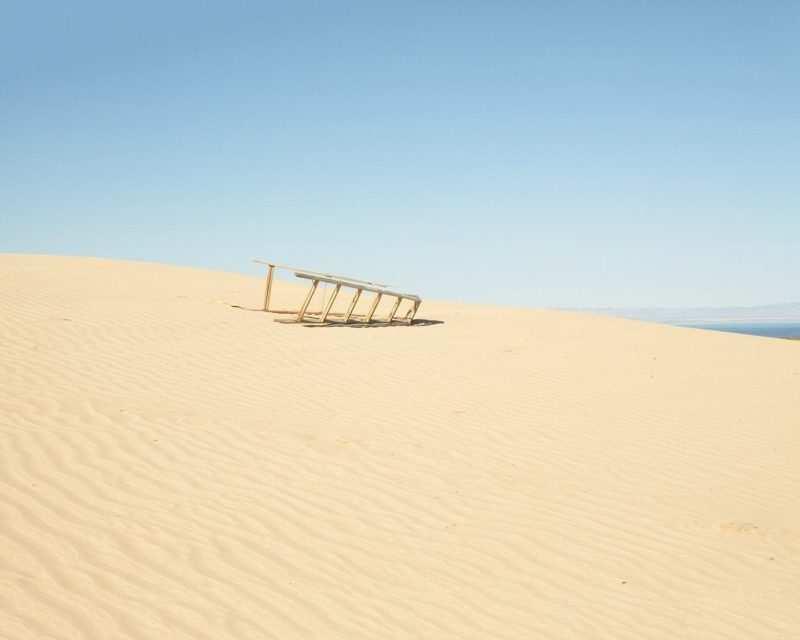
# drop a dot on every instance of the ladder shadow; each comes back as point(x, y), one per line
point(311, 323)
point(375, 324)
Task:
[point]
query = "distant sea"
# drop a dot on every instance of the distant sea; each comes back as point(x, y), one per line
point(767, 329)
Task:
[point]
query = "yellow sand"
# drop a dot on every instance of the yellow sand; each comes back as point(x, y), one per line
point(174, 466)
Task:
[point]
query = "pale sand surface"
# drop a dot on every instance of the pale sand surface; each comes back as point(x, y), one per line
point(176, 467)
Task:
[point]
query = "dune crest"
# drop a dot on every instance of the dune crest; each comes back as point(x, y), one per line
point(177, 465)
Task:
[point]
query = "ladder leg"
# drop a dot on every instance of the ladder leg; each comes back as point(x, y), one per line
point(394, 310)
point(268, 289)
point(352, 306)
point(409, 313)
point(374, 306)
point(307, 301)
point(330, 303)
point(413, 311)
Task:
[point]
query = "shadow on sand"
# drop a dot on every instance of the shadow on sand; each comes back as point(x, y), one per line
point(353, 324)
point(375, 324)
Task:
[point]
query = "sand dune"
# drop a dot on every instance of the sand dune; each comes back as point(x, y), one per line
point(177, 465)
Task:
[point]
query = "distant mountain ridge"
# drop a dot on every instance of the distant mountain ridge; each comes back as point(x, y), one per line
point(786, 312)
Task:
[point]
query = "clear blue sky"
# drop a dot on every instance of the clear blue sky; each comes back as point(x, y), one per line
point(571, 154)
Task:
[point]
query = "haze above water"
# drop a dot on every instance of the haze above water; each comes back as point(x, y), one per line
point(767, 329)
point(775, 321)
